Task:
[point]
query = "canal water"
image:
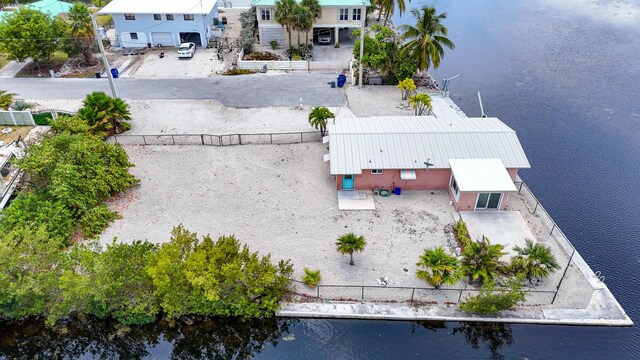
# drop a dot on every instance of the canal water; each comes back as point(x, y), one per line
point(565, 74)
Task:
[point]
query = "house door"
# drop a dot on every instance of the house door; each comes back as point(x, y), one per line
point(489, 201)
point(347, 182)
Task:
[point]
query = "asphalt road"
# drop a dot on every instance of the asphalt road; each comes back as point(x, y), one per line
point(257, 90)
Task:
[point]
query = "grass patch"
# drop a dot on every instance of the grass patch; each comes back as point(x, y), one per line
point(103, 19)
point(43, 118)
point(21, 131)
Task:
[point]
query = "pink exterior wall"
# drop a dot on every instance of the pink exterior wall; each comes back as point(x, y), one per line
point(435, 179)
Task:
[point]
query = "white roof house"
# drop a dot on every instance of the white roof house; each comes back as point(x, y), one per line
point(407, 142)
point(161, 23)
point(159, 7)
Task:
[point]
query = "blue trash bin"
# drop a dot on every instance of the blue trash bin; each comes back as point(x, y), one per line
point(115, 73)
point(397, 191)
point(342, 79)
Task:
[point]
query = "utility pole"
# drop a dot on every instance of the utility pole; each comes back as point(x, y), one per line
point(362, 16)
point(105, 62)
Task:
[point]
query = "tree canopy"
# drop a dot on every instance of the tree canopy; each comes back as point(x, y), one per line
point(427, 38)
point(29, 33)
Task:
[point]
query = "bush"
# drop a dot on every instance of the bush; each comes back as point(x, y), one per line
point(296, 57)
point(311, 278)
point(262, 56)
point(462, 234)
point(274, 44)
point(492, 300)
point(43, 118)
point(239, 72)
point(95, 220)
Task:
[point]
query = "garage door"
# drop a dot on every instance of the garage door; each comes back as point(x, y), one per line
point(193, 37)
point(162, 39)
point(272, 33)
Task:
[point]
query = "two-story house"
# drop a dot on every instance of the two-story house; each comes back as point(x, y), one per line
point(144, 23)
point(336, 15)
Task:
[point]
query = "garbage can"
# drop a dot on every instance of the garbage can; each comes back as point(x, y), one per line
point(342, 79)
point(333, 84)
point(97, 75)
point(115, 73)
point(397, 191)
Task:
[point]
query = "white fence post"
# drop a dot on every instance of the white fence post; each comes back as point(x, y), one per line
point(13, 118)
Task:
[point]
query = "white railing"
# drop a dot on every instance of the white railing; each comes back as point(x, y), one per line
point(329, 65)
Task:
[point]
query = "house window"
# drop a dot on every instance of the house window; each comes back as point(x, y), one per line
point(376, 171)
point(129, 17)
point(265, 14)
point(357, 13)
point(344, 14)
point(134, 36)
point(169, 17)
point(488, 200)
point(188, 17)
point(454, 188)
point(157, 17)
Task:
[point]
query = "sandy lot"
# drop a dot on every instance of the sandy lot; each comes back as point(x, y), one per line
point(281, 200)
point(154, 117)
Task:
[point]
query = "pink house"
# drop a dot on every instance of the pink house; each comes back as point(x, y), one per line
point(475, 159)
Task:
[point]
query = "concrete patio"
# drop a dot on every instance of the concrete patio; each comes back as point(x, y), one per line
point(507, 228)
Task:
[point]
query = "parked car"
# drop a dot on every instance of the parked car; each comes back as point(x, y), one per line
point(186, 50)
point(324, 37)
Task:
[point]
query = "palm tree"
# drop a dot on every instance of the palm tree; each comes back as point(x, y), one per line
point(348, 243)
point(284, 14)
point(534, 261)
point(481, 261)
point(21, 105)
point(420, 103)
point(105, 114)
point(389, 6)
point(427, 38)
point(316, 13)
point(6, 99)
point(302, 21)
point(82, 29)
point(318, 119)
point(438, 267)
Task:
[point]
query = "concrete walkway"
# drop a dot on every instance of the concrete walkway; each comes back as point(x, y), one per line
point(12, 68)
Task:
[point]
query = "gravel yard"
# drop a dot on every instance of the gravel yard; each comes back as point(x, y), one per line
point(281, 200)
point(204, 63)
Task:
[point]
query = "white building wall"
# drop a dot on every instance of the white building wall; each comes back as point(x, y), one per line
point(145, 24)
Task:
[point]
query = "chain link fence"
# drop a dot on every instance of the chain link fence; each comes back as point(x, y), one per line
point(218, 140)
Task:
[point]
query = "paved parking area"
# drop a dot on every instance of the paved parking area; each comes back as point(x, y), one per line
point(204, 63)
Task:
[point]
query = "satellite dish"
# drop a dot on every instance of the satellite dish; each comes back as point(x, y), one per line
point(427, 163)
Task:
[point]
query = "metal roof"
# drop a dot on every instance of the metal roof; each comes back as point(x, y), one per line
point(159, 7)
point(481, 175)
point(406, 142)
point(51, 7)
point(322, 2)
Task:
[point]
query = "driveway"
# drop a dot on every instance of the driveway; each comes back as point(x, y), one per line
point(204, 64)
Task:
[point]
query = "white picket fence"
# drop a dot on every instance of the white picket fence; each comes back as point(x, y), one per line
point(330, 65)
point(16, 118)
point(271, 64)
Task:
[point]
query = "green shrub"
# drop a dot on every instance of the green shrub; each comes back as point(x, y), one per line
point(463, 234)
point(296, 57)
point(43, 118)
point(311, 278)
point(239, 72)
point(492, 299)
point(95, 220)
point(274, 44)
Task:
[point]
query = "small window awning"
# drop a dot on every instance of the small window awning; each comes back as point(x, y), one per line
point(481, 175)
point(407, 174)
